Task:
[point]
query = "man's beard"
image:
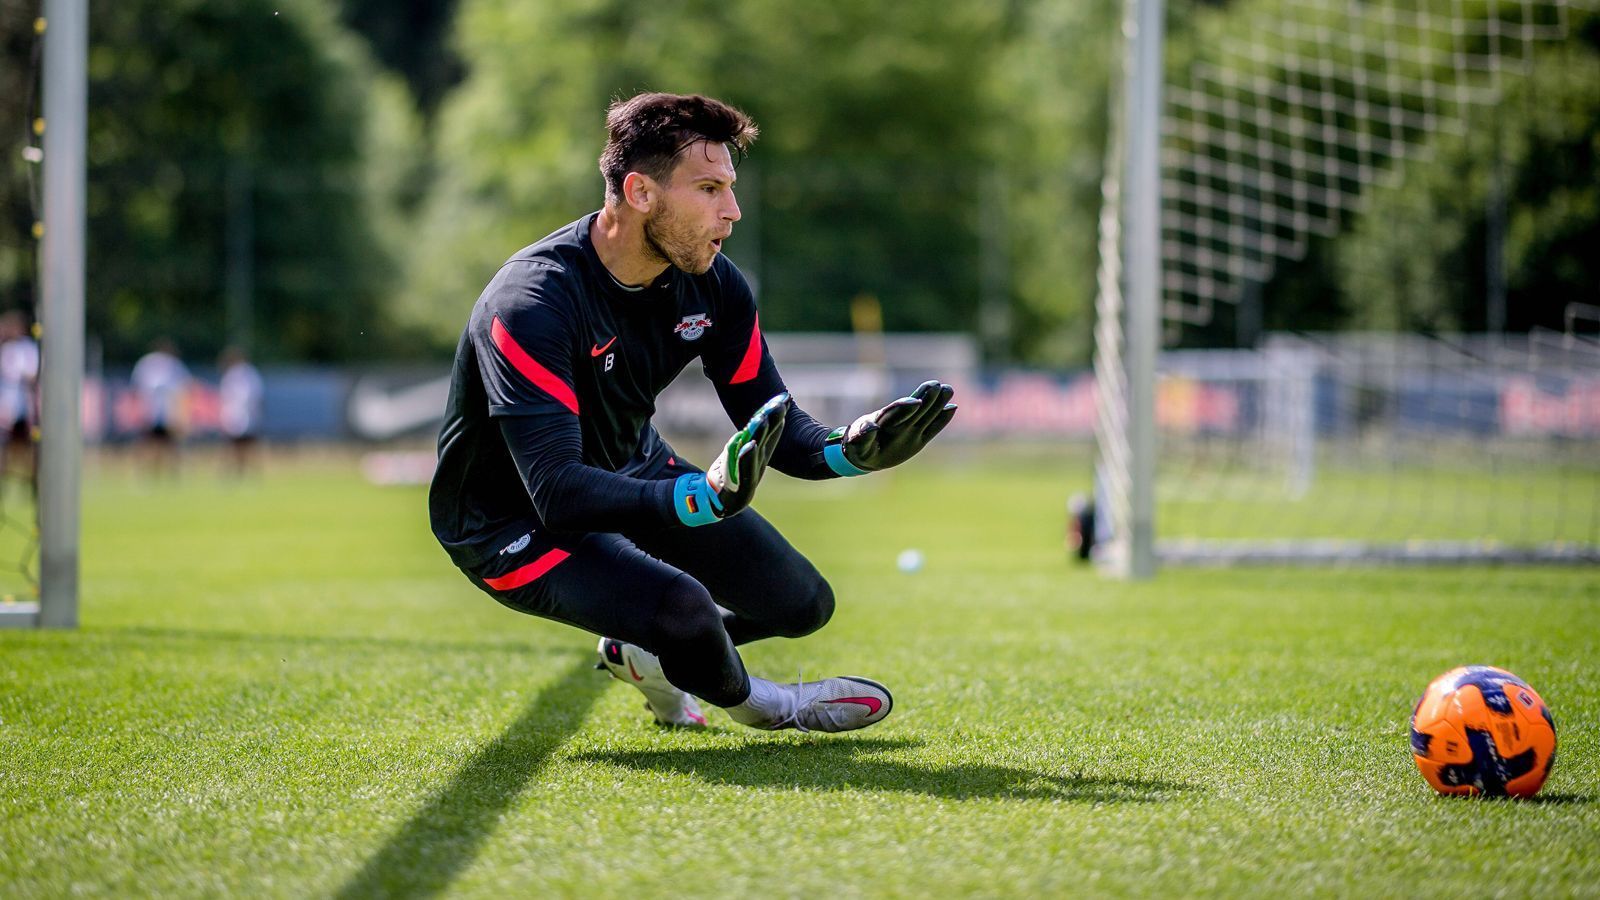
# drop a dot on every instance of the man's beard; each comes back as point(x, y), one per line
point(673, 242)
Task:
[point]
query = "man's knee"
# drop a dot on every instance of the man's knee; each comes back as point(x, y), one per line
point(811, 608)
point(686, 615)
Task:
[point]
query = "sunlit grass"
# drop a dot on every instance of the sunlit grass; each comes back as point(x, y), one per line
point(281, 687)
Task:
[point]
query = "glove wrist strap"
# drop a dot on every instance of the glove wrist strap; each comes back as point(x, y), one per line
point(693, 500)
point(833, 454)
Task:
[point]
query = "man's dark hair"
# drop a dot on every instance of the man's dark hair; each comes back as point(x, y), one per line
point(648, 131)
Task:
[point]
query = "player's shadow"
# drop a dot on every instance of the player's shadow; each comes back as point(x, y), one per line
point(333, 641)
point(426, 854)
point(1557, 799)
point(858, 765)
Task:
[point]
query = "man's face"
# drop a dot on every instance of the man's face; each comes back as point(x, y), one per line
point(696, 210)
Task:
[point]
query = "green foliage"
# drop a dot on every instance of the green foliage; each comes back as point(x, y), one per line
point(19, 98)
point(1051, 86)
point(283, 688)
point(238, 133)
point(945, 157)
point(880, 128)
point(924, 155)
point(900, 148)
point(410, 37)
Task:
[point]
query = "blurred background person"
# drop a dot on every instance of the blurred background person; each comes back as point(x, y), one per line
point(161, 381)
point(19, 395)
point(240, 395)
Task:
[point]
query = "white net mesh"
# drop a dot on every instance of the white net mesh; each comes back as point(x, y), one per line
point(1273, 135)
point(1112, 473)
point(1350, 447)
point(1394, 447)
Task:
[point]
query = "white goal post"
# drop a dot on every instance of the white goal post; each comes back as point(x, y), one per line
point(61, 318)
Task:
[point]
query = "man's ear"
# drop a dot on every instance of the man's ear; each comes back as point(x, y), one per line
point(639, 191)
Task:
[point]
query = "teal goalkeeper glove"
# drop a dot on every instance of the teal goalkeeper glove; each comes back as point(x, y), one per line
point(893, 434)
point(729, 484)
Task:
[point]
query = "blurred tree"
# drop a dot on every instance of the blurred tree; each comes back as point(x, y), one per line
point(1051, 85)
point(244, 158)
point(873, 176)
point(876, 138)
point(250, 167)
point(19, 98)
point(412, 38)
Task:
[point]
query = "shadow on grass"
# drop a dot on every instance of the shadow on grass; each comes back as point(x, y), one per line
point(430, 850)
point(1544, 799)
point(1557, 799)
point(360, 641)
point(851, 765)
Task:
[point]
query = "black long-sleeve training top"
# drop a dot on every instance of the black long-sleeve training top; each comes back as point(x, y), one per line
point(555, 381)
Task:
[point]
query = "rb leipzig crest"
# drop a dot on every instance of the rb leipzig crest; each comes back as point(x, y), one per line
point(692, 326)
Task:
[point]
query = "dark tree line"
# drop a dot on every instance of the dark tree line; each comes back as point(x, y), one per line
point(336, 182)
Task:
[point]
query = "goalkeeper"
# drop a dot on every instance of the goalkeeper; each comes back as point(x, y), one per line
point(555, 494)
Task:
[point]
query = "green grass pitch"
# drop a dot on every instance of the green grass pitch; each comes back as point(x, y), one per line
point(282, 688)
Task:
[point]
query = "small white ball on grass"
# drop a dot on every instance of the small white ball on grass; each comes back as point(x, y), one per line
point(909, 560)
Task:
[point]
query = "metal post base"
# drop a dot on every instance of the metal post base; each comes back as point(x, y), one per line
point(19, 615)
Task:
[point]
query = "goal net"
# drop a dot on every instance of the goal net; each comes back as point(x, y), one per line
point(1280, 122)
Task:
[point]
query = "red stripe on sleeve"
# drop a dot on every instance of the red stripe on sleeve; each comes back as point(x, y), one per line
point(751, 364)
point(530, 368)
point(526, 574)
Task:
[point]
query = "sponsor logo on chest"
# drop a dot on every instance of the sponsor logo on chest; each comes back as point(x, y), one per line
point(692, 326)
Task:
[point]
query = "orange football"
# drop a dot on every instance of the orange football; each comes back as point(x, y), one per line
point(1483, 730)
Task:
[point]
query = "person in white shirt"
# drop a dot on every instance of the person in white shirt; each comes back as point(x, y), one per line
point(19, 395)
point(161, 381)
point(240, 394)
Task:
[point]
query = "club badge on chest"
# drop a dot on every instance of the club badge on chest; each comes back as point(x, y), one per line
point(692, 326)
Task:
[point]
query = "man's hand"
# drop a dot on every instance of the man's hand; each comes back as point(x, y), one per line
point(729, 483)
point(893, 434)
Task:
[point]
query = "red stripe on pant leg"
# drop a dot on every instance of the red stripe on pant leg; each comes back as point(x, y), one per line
point(527, 574)
point(530, 368)
point(751, 364)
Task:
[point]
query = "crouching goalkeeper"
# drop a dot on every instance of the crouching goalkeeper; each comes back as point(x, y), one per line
point(555, 494)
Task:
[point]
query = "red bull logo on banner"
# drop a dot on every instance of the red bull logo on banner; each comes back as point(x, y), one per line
point(1530, 408)
point(1043, 404)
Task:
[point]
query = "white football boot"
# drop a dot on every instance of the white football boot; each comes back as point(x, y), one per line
point(640, 668)
point(833, 704)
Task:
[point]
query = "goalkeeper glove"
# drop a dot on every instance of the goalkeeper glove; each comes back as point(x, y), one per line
point(893, 434)
point(728, 485)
